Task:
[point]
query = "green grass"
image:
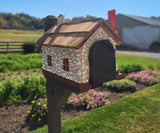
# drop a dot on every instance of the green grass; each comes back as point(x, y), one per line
point(146, 62)
point(20, 35)
point(139, 112)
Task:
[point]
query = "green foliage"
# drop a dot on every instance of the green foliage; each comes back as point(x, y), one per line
point(6, 91)
point(143, 62)
point(28, 89)
point(37, 113)
point(87, 17)
point(128, 68)
point(20, 62)
point(32, 88)
point(19, 21)
point(29, 47)
point(121, 85)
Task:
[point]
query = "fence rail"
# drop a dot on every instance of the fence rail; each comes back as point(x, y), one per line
point(6, 47)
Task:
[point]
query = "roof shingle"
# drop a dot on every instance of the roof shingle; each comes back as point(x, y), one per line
point(73, 35)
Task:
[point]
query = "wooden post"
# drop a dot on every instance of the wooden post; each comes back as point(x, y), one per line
point(7, 47)
point(57, 94)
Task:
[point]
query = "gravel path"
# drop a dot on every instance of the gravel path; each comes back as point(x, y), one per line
point(146, 54)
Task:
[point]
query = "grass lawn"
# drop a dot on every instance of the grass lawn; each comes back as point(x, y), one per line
point(20, 35)
point(138, 112)
point(146, 62)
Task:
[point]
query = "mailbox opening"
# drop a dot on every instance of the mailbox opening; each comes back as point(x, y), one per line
point(101, 63)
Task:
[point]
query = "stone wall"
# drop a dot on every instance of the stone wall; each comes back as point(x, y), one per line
point(58, 54)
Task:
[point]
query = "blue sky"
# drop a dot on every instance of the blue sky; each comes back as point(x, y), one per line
point(72, 8)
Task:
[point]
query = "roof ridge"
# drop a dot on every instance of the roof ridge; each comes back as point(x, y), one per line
point(90, 33)
point(82, 21)
point(143, 19)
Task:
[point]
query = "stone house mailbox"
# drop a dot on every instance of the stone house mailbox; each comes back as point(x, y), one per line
point(76, 56)
point(80, 54)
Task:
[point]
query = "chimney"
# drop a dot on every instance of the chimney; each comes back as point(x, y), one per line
point(112, 17)
point(49, 21)
point(60, 19)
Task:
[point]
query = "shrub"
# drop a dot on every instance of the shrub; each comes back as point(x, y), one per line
point(6, 91)
point(88, 100)
point(3, 68)
point(128, 68)
point(121, 85)
point(37, 113)
point(20, 62)
point(31, 88)
point(155, 46)
point(38, 49)
point(29, 47)
point(145, 77)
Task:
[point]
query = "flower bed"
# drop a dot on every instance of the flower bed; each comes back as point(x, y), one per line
point(88, 100)
point(37, 113)
point(145, 77)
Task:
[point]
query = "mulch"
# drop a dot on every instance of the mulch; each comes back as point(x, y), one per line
point(13, 118)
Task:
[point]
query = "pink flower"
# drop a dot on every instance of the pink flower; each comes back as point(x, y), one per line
point(79, 103)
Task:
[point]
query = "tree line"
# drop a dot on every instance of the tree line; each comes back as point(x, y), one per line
point(26, 22)
point(19, 21)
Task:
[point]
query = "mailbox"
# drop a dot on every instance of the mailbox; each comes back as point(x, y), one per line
point(80, 54)
point(76, 56)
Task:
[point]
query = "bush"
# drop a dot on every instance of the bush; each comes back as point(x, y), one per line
point(155, 46)
point(88, 100)
point(20, 62)
point(128, 68)
point(29, 47)
point(121, 85)
point(6, 90)
point(145, 77)
point(38, 49)
point(30, 88)
point(37, 113)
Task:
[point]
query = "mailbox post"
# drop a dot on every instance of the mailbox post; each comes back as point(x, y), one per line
point(76, 56)
point(57, 95)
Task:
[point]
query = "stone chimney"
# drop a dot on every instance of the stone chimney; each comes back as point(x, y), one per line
point(49, 21)
point(60, 19)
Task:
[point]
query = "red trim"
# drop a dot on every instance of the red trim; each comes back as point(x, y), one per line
point(68, 81)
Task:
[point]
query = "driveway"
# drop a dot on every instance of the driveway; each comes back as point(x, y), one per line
point(141, 53)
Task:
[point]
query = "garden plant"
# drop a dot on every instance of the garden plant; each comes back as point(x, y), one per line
point(145, 77)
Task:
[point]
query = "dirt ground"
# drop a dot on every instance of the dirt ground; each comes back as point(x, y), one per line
point(12, 119)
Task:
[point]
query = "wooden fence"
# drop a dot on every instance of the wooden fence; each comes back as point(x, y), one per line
point(6, 47)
